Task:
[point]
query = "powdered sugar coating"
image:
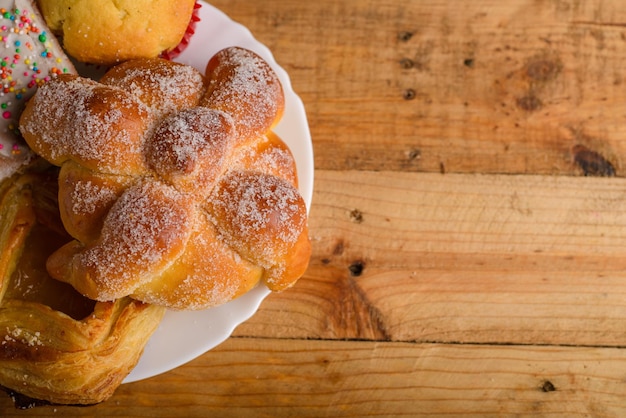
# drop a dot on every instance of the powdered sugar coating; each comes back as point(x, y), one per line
point(243, 85)
point(147, 226)
point(211, 206)
point(87, 197)
point(190, 148)
point(219, 276)
point(24, 336)
point(269, 155)
point(101, 127)
point(164, 86)
point(259, 215)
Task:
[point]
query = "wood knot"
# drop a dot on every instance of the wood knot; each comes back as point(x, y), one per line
point(529, 103)
point(356, 216)
point(543, 69)
point(339, 247)
point(591, 162)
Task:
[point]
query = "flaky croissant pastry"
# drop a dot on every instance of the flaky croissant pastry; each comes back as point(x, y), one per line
point(56, 345)
point(173, 185)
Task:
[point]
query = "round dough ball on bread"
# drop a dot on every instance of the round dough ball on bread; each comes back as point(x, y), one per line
point(111, 31)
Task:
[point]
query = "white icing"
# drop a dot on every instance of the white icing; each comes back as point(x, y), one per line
point(29, 56)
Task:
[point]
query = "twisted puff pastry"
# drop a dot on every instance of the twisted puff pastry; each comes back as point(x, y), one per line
point(174, 186)
point(55, 345)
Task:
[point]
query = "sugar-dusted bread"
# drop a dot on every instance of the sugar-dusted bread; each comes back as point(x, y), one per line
point(112, 31)
point(173, 185)
point(55, 345)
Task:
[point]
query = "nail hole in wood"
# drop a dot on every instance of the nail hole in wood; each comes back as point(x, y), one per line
point(547, 386)
point(408, 94)
point(405, 36)
point(356, 268)
point(415, 154)
point(407, 63)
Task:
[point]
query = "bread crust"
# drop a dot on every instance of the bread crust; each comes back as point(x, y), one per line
point(190, 212)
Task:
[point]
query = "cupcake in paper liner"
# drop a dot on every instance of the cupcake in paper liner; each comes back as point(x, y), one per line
point(107, 32)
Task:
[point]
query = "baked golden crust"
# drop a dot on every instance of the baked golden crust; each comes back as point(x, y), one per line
point(112, 31)
point(204, 202)
point(88, 122)
point(164, 86)
point(55, 345)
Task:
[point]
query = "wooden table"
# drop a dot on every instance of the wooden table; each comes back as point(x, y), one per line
point(468, 220)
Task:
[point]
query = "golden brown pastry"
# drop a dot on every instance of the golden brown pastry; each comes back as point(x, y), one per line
point(113, 31)
point(177, 194)
point(55, 345)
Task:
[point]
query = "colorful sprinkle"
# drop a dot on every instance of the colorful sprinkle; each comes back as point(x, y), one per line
point(27, 62)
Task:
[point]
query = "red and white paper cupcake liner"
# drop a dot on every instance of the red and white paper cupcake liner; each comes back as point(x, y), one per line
point(191, 29)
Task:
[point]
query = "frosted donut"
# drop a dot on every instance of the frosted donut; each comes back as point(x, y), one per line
point(30, 55)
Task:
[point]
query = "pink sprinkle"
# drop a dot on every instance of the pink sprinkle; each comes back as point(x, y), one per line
point(6, 114)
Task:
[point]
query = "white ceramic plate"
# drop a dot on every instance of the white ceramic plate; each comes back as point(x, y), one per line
point(183, 336)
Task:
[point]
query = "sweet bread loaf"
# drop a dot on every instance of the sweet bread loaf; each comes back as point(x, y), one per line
point(176, 194)
point(112, 31)
point(55, 345)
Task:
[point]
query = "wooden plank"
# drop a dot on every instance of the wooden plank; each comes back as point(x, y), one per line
point(270, 378)
point(466, 214)
point(459, 258)
point(483, 86)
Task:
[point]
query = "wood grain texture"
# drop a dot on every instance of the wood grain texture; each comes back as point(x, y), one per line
point(459, 258)
point(463, 264)
point(481, 86)
point(276, 378)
